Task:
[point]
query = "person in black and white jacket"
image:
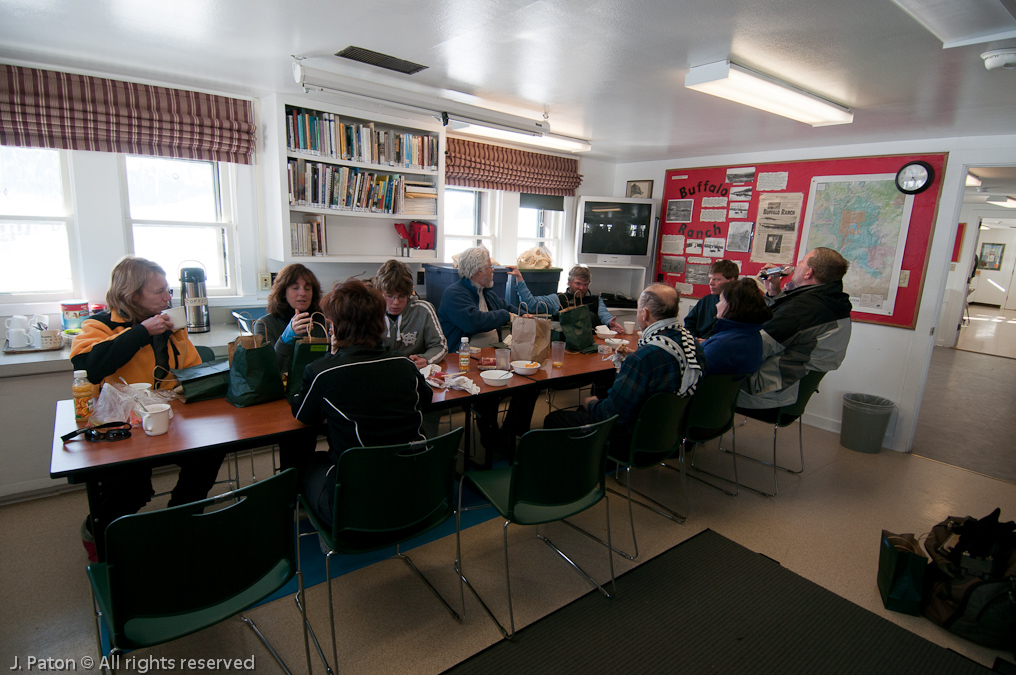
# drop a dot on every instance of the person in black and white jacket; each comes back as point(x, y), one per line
point(411, 325)
point(367, 395)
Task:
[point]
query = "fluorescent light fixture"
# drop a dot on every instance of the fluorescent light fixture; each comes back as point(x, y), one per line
point(997, 200)
point(972, 180)
point(527, 135)
point(969, 22)
point(734, 83)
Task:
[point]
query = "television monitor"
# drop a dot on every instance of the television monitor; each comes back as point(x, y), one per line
point(616, 231)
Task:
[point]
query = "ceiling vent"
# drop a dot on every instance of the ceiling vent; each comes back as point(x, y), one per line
point(380, 60)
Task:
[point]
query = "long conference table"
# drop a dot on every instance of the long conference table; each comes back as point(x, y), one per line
point(216, 425)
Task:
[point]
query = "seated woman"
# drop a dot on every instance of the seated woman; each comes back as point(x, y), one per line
point(295, 296)
point(411, 325)
point(133, 340)
point(367, 396)
point(735, 347)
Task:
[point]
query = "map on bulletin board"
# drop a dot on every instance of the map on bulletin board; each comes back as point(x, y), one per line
point(866, 219)
point(773, 213)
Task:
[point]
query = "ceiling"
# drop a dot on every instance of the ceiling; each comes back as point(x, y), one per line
point(610, 71)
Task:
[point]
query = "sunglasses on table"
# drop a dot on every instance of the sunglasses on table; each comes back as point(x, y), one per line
point(110, 431)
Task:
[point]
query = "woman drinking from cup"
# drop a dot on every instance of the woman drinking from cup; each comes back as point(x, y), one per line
point(295, 297)
point(135, 341)
point(367, 395)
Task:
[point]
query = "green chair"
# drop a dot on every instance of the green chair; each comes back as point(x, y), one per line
point(783, 417)
point(205, 353)
point(385, 496)
point(656, 437)
point(709, 415)
point(557, 473)
point(175, 571)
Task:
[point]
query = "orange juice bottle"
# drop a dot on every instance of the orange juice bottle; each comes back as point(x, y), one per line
point(82, 389)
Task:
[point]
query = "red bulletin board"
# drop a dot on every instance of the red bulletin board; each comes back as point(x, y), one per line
point(697, 193)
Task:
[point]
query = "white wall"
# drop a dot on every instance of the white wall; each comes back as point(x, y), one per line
point(998, 292)
point(881, 360)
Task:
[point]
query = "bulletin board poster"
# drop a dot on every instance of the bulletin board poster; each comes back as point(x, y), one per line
point(772, 214)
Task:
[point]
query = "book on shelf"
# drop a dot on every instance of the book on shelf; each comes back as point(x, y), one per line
point(308, 238)
point(327, 135)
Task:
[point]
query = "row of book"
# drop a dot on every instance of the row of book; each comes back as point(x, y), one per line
point(326, 186)
point(324, 134)
point(308, 238)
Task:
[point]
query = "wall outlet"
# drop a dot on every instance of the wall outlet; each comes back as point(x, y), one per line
point(264, 282)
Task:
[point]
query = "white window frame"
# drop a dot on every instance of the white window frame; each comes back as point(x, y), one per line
point(16, 302)
point(556, 239)
point(487, 211)
point(225, 180)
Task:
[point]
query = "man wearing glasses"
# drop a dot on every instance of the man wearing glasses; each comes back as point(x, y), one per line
point(411, 325)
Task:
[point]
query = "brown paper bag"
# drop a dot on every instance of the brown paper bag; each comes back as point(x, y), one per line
point(531, 339)
point(247, 341)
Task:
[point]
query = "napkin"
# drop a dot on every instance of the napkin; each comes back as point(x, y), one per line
point(464, 383)
point(429, 370)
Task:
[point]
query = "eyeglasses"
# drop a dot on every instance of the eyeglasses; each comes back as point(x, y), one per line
point(399, 298)
point(121, 431)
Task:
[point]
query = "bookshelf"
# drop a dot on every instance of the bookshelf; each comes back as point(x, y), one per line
point(338, 179)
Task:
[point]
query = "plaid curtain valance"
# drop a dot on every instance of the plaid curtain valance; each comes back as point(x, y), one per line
point(479, 165)
point(49, 109)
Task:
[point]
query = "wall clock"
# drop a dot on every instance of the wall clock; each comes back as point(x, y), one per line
point(914, 177)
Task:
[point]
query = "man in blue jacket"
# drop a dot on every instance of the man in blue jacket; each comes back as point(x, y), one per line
point(470, 308)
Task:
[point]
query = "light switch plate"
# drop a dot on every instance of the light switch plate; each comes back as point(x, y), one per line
point(904, 278)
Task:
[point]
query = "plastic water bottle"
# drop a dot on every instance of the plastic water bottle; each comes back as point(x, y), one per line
point(82, 389)
point(464, 355)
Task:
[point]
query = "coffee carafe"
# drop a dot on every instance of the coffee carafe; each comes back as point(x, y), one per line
point(194, 299)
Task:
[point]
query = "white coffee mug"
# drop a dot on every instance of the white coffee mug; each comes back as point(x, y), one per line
point(629, 327)
point(34, 338)
point(17, 338)
point(39, 320)
point(17, 322)
point(155, 422)
point(178, 315)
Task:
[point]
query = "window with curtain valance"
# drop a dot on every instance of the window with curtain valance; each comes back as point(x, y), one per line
point(49, 109)
point(492, 167)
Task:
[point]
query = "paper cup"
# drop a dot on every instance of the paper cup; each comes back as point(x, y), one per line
point(629, 327)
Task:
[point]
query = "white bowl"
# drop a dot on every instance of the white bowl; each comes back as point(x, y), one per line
point(496, 378)
point(615, 342)
point(520, 367)
point(606, 333)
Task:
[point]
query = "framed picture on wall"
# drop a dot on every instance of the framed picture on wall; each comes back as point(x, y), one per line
point(991, 257)
point(642, 189)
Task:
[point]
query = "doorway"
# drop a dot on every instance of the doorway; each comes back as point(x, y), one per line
point(971, 387)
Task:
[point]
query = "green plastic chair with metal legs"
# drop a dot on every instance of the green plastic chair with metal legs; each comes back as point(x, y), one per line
point(385, 496)
point(556, 474)
point(780, 418)
point(656, 437)
point(709, 415)
point(236, 556)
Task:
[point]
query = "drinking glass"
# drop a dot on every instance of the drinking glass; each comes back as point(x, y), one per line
point(557, 354)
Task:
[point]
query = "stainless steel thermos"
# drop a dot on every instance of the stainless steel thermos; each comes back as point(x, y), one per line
point(194, 299)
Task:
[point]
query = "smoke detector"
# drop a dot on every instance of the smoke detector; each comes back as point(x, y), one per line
point(1000, 58)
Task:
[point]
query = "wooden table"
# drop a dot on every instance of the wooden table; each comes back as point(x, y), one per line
point(217, 425)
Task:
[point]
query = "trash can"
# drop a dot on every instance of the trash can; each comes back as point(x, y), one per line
point(865, 420)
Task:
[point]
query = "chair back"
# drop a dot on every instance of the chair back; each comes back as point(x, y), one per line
point(386, 495)
point(710, 413)
point(558, 472)
point(193, 566)
point(657, 430)
point(807, 386)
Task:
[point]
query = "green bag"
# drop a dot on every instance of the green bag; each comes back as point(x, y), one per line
point(204, 381)
point(577, 326)
point(901, 568)
point(254, 377)
point(304, 354)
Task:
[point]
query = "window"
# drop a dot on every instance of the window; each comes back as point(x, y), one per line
point(467, 221)
point(540, 227)
point(35, 226)
point(179, 215)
